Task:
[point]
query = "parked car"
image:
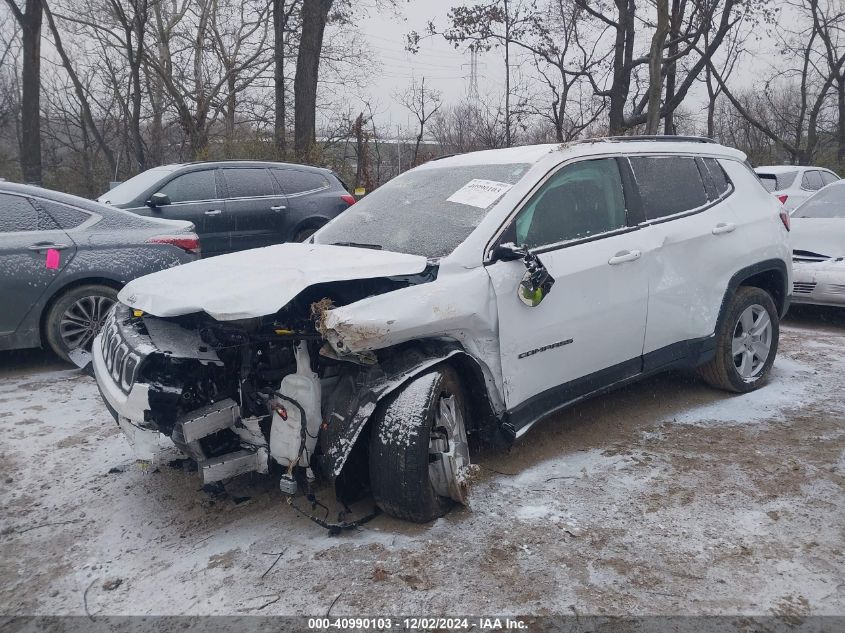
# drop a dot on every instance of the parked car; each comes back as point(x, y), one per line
point(792, 184)
point(818, 248)
point(63, 260)
point(470, 296)
point(236, 205)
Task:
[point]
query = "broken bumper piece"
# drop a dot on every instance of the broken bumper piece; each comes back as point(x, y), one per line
point(127, 408)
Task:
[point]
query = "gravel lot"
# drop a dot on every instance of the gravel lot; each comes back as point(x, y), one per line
point(663, 498)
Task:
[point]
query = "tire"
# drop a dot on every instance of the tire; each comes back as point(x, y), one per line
point(746, 370)
point(71, 308)
point(405, 426)
point(304, 234)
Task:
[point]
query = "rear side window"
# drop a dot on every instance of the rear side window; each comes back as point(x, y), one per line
point(296, 181)
point(18, 215)
point(668, 185)
point(248, 183)
point(777, 182)
point(812, 180)
point(195, 185)
point(66, 217)
point(828, 177)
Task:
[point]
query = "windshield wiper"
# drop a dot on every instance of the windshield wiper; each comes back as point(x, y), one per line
point(375, 247)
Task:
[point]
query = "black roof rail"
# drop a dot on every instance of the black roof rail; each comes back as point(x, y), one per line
point(644, 137)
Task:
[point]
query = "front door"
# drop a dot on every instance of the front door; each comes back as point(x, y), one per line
point(194, 196)
point(33, 253)
point(588, 331)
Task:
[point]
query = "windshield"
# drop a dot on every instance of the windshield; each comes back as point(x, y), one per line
point(129, 190)
point(425, 212)
point(827, 203)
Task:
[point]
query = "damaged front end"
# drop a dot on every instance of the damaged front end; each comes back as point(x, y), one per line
point(237, 396)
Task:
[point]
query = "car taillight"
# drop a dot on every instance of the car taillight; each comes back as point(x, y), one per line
point(784, 217)
point(350, 200)
point(189, 242)
point(783, 198)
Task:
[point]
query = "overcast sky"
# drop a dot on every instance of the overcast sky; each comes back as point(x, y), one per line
point(444, 68)
point(448, 70)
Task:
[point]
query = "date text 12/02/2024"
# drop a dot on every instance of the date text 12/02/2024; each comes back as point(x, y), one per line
point(418, 624)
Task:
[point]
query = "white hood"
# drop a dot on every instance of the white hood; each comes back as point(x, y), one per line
point(825, 236)
point(259, 282)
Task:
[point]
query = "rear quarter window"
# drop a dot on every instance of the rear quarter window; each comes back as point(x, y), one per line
point(66, 217)
point(668, 185)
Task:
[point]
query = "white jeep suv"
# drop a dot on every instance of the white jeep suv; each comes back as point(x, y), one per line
point(470, 296)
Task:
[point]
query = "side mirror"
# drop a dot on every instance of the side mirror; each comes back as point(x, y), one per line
point(508, 252)
point(158, 200)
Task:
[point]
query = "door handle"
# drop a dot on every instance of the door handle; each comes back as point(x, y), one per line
point(278, 208)
point(722, 227)
point(43, 246)
point(624, 256)
point(213, 212)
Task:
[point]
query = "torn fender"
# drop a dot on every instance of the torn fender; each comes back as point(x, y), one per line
point(460, 305)
point(358, 393)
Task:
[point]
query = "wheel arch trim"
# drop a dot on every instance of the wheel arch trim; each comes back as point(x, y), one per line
point(346, 420)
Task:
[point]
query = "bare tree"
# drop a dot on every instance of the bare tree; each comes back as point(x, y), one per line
point(422, 104)
point(796, 126)
point(29, 21)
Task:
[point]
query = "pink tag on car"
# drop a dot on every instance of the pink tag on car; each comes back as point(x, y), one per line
point(52, 259)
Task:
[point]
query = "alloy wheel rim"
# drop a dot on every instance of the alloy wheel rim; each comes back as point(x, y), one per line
point(752, 342)
point(448, 449)
point(82, 321)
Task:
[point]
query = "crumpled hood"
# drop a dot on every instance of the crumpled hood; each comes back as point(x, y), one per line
point(818, 235)
point(260, 281)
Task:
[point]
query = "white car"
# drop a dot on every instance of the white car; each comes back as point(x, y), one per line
point(468, 297)
point(792, 185)
point(818, 248)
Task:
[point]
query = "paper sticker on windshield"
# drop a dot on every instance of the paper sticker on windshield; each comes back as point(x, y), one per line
point(479, 193)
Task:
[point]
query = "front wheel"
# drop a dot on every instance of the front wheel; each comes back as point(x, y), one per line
point(418, 448)
point(746, 343)
point(75, 317)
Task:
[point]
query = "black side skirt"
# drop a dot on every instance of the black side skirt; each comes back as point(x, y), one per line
point(683, 355)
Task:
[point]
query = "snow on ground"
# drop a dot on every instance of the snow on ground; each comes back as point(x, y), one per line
point(665, 497)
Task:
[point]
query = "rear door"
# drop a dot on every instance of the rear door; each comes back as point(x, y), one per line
point(255, 207)
point(307, 204)
point(33, 253)
point(696, 230)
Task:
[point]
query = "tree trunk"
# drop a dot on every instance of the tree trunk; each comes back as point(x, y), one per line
point(655, 67)
point(29, 22)
point(840, 97)
point(622, 55)
point(279, 25)
point(507, 76)
point(314, 17)
point(678, 7)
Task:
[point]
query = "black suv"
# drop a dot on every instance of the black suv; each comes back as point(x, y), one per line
point(236, 205)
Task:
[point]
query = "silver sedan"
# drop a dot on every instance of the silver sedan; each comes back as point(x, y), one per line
point(818, 248)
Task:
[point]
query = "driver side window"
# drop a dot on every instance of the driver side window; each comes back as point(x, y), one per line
point(581, 200)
